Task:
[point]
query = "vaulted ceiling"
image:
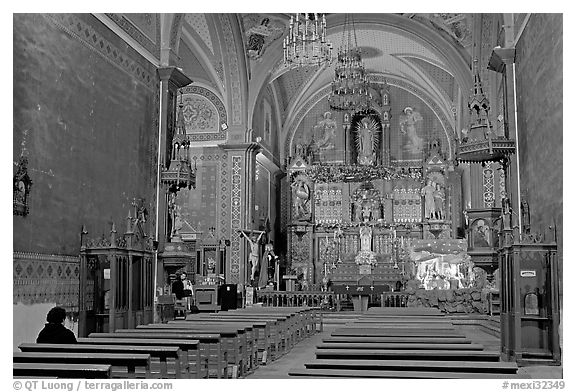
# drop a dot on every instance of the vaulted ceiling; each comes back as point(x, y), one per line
point(430, 53)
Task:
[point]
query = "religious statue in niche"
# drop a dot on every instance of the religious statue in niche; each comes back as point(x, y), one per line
point(260, 32)
point(410, 120)
point(325, 132)
point(367, 204)
point(439, 202)
point(301, 198)
point(365, 256)
point(427, 192)
point(367, 139)
point(175, 217)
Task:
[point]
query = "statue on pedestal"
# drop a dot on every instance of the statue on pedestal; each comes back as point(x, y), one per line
point(439, 199)
point(429, 205)
point(367, 140)
point(301, 198)
point(365, 256)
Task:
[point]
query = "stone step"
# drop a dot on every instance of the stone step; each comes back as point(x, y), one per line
point(357, 373)
point(416, 365)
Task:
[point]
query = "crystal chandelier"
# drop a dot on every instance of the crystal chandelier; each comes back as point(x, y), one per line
point(350, 84)
point(306, 43)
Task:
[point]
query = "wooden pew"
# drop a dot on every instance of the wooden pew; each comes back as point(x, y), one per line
point(208, 353)
point(60, 370)
point(279, 331)
point(123, 365)
point(233, 341)
point(165, 356)
point(261, 331)
point(248, 335)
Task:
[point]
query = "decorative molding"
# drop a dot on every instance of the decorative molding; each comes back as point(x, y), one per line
point(176, 28)
point(133, 31)
point(488, 185)
point(77, 27)
point(232, 56)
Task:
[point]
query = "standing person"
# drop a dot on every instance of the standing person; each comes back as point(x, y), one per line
point(54, 331)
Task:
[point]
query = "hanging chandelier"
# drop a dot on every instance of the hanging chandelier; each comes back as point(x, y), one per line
point(306, 43)
point(350, 84)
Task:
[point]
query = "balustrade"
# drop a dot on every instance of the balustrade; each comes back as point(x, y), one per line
point(323, 299)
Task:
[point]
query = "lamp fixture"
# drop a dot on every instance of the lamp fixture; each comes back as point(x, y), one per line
point(306, 43)
point(350, 84)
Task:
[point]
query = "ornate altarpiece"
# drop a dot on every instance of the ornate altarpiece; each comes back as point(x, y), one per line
point(332, 201)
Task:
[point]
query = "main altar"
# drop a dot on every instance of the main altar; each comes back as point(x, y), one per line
point(357, 211)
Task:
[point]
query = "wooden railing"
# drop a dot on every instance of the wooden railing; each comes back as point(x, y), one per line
point(324, 299)
point(394, 300)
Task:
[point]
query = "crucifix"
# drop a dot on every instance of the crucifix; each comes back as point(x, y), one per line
point(253, 237)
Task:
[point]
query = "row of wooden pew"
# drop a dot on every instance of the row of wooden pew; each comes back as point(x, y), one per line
point(227, 344)
point(403, 343)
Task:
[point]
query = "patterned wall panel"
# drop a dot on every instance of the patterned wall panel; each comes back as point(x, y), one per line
point(40, 278)
point(236, 218)
point(204, 113)
point(200, 206)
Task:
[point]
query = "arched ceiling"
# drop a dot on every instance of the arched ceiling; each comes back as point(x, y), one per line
point(429, 51)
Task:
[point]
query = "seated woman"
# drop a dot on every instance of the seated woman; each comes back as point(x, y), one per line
point(54, 331)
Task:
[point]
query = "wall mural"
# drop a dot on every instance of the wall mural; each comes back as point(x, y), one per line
point(260, 32)
point(200, 115)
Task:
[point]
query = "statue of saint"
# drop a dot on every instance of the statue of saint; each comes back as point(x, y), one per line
point(408, 122)
point(439, 198)
point(301, 196)
point(367, 140)
point(429, 206)
point(376, 210)
point(365, 238)
point(325, 129)
point(358, 211)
